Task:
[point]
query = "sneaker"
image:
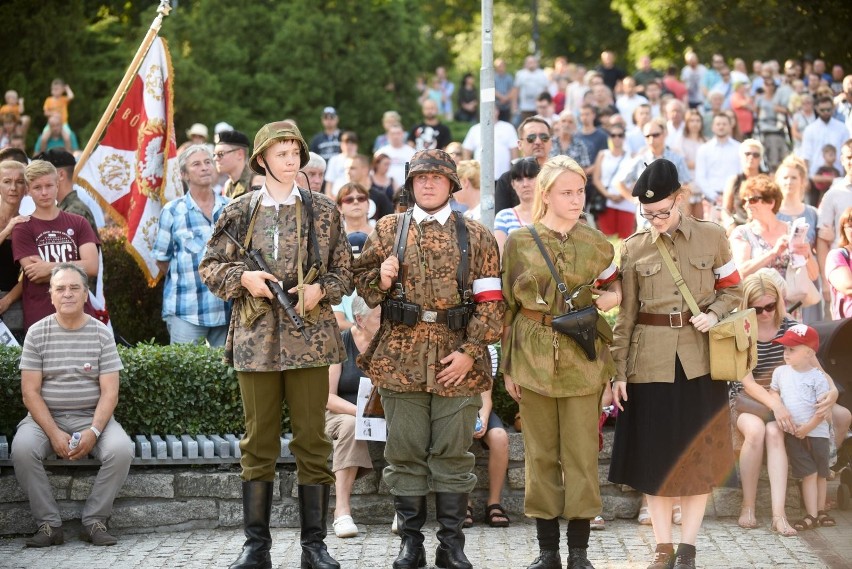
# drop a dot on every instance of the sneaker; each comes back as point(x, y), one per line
point(96, 534)
point(394, 526)
point(46, 536)
point(598, 523)
point(345, 527)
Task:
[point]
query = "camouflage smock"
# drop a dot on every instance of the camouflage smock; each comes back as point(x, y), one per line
point(401, 358)
point(536, 356)
point(272, 343)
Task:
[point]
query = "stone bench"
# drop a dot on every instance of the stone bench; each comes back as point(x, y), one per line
point(171, 493)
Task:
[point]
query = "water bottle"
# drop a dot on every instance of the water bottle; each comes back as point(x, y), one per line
point(75, 440)
point(478, 424)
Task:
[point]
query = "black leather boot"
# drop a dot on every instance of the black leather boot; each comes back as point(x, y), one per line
point(577, 559)
point(411, 515)
point(257, 509)
point(547, 532)
point(450, 510)
point(313, 514)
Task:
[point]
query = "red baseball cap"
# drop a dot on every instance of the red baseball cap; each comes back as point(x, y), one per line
point(799, 335)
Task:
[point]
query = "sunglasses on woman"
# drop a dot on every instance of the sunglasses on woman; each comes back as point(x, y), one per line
point(768, 308)
point(753, 200)
point(349, 200)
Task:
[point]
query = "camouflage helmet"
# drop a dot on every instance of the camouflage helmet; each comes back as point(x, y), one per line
point(433, 161)
point(273, 132)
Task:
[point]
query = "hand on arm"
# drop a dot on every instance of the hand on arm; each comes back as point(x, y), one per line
point(610, 298)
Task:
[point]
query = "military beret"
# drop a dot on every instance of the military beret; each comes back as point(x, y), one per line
point(59, 157)
point(657, 182)
point(234, 137)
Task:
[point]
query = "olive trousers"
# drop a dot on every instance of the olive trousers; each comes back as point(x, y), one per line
point(306, 393)
point(561, 455)
point(429, 438)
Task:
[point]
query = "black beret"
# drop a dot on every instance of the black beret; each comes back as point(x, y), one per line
point(657, 182)
point(234, 137)
point(59, 157)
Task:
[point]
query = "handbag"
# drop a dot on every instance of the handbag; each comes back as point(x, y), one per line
point(800, 288)
point(581, 325)
point(733, 340)
point(744, 403)
point(373, 408)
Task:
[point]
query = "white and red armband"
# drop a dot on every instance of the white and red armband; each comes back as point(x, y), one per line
point(727, 275)
point(487, 289)
point(607, 277)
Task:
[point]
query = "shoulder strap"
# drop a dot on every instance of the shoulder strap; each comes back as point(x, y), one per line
point(678, 279)
point(464, 253)
point(559, 283)
point(254, 206)
point(308, 201)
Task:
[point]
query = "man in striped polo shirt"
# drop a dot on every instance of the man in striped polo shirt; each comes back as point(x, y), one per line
point(69, 381)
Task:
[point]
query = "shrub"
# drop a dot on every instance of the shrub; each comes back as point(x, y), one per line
point(164, 390)
point(134, 307)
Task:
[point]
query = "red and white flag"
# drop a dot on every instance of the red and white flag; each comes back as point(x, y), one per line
point(133, 171)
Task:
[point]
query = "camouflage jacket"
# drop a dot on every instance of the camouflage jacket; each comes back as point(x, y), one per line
point(73, 204)
point(403, 358)
point(272, 343)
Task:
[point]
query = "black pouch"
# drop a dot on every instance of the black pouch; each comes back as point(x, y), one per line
point(459, 316)
point(400, 311)
point(581, 326)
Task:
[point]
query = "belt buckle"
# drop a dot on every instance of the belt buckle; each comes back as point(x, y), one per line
point(430, 316)
point(679, 316)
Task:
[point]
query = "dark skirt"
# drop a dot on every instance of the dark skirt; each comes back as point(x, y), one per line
point(673, 439)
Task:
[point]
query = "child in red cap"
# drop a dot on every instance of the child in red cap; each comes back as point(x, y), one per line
point(801, 383)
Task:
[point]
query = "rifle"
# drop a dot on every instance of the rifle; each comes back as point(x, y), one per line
point(255, 261)
point(404, 194)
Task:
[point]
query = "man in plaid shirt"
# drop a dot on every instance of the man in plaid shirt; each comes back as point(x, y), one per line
point(192, 313)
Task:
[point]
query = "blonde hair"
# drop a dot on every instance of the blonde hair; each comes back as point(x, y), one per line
point(551, 170)
point(469, 170)
point(38, 168)
point(765, 282)
point(12, 165)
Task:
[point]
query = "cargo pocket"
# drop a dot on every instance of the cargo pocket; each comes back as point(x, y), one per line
point(702, 273)
point(633, 352)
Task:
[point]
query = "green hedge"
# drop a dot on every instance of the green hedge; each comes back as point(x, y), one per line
point(164, 390)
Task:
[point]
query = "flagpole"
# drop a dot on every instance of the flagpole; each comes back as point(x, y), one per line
point(162, 11)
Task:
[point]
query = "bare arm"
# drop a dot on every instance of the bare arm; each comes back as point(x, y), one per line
point(841, 279)
point(38, 271)
point(11, 297)
point(337, 404)
point(31, 381)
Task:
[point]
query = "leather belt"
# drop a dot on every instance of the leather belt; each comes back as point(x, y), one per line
point(434, 316)
point(672, 319)
point(536, 316)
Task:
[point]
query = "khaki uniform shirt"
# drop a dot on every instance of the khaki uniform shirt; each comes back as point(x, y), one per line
point(272, 343)
point(73, 204)
point(700, 249)
point(233, 189)
point(402, 358)
point(536, 356)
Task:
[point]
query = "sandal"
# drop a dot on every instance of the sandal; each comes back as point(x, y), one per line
point(468, 517)
point(825, 520)
point(806, 523)
point(597, 523)
point(644, 516)
point(747, 519)
point(496, 516)
point(782, 527)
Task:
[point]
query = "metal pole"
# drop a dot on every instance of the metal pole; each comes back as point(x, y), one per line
point(535, 33)
point(486, 116)
point(162, 11)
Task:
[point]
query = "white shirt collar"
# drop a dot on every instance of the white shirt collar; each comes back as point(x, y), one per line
point(267, 200)
point(441, 216)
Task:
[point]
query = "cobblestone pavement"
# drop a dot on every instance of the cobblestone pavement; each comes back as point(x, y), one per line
point(623, 544)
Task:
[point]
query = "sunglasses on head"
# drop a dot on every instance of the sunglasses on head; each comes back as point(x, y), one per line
point(542, 136)
point(768, 308)
point(353, 199)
